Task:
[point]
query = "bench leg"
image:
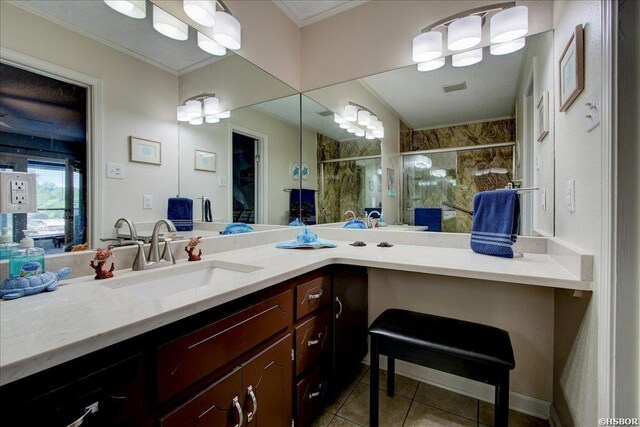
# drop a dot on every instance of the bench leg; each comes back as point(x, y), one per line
point(391, 376)
point(501, 413)
point(374, 380)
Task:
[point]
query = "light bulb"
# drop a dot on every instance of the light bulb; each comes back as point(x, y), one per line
point(201, 11)
point(427, 46)
point(507, 47)
point(350, 113)
point(210, 46)
point(168, 25)
point(431, 65)
point(181, 113)
point(194, 109)
point(465, 32)
point(509, 24)
point(227, 31)
point(467, 58)
point(132, 8)
point(211, 106)
point(364, 117)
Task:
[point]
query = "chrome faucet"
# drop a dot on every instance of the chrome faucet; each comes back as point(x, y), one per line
point(369, 224)
point(352, 214)
point(121, 238)
point(142, 262)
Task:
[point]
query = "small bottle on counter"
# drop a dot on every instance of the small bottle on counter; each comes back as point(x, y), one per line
point(28, 260)
point(7, 246)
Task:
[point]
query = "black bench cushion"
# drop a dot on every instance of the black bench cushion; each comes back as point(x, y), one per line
point(472, 341)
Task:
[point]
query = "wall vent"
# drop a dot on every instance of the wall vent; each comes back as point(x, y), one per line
point(454, 87)
point(326, 113)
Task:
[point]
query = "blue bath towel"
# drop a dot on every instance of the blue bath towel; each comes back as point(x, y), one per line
point(496, 216)
point(180, 212)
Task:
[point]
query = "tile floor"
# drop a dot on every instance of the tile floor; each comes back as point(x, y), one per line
point(415, 404)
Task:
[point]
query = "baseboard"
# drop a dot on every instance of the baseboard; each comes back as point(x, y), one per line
point(518, 402)
point(554, 420)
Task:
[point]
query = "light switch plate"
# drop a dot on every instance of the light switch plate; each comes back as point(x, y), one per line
point(18, 192)
point(147, 201)
point(222, 181)
point(592, 107)
point(115, 170)
point(571, 195)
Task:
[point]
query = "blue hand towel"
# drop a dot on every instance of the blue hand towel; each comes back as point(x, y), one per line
point(496, 216)
point(180, 212)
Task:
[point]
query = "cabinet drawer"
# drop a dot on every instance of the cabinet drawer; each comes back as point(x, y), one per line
point(187, 359)
point(312, 295)
point(310, 395)
point(312, 340)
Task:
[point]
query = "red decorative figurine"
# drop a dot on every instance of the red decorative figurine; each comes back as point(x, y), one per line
point(102, 255)
point(191, 247)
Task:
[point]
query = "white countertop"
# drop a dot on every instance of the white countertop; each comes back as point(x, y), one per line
point(84, 315)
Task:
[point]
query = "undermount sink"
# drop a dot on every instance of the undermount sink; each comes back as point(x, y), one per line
point(160, 283)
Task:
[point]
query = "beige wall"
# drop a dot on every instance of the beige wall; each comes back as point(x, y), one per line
point(269, 38)
point(377, 35)
point(335, 98)
point(137, 99)
point(538, 65)
point(526, 312)
point(577, 156)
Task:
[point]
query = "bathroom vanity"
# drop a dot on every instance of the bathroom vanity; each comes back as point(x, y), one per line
point(266, 359)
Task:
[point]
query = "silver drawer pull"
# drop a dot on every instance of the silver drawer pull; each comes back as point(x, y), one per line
point(316, 341)
point(87, 411)
point(340, 307)
point(252, 395)
point(314, 394)
point(236, 404)
point(315, 296)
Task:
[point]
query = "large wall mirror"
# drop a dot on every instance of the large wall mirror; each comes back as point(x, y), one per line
point(448, 134)
point(79, 80)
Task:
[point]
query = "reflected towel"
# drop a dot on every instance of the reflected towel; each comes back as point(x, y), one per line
point(496, 217)
point(180, 212)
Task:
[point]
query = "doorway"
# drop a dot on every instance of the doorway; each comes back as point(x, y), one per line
point(43, 129)
point(246, 166)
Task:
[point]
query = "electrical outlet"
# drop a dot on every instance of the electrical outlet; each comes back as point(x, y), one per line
point(222, 181)
point(147, 201)
point(115, 170)
point(571, 195)
point(18, 192)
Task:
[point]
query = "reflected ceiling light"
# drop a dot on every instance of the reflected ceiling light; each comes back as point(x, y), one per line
point(438, 173)
point(351, 130)
point(338, 119)
point(360, 132)
point(210, 46)
point(201, 11)
point(182, 114)
point(344, 125)
point(132, 8)
point(194, 109)
point(364, 117)
point(467, 58)
point(431, 65)
point(464, 33)
point(225, 114)
point(211, 106)
point(196, 122)
point(507, 47)
point(227, 30)
point(509, 24)
point(373, 122)
point(423, 162)
point(369, 135)
point(212, 119)
point(350, 113)
point(427, 46)
point(168, 25)
point(379, 133)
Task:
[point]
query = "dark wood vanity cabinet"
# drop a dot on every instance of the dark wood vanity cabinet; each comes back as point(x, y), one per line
point(265, 360)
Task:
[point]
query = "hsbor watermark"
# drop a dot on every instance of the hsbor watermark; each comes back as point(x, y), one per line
point(618, 421)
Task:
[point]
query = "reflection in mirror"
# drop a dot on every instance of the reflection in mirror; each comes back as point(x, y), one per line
point(134, 79)
point(460, 130)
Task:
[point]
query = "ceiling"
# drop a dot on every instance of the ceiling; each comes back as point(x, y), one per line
point(419, 99)
point(133, 36)
point(306, 12)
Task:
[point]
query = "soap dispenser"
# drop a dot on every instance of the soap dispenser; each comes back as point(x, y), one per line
point(381, 222)
point(7, 245)
point(28, 260)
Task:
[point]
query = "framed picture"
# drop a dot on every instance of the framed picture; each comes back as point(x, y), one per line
point(572, 69)
point(542, 129)
point(144, 151)
point(205, 161)
point(294, 169)
point(304, 171)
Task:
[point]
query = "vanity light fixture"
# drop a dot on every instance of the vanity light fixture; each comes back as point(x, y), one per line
point(210, 46)
point(201, 108)
point(350, 113)
point(227, 30)
point(201, 11)
point(360, 121)
point(338, 119)
point(132, 8)
point(508, 24)
point(469, 57)
point(168, 25)
point(364, 117)
point(423, 162)
point(438, 173)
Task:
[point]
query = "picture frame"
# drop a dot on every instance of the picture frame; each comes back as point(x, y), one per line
point(145, 151)
point(294, 169)
point(305, 171)
point(572, 69)
point(204, 161)
point(542, 127)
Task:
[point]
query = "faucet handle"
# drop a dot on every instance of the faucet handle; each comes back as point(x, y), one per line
point(140, 262)
point(167, 254)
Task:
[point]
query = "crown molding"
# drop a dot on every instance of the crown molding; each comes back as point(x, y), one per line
point(319, 17)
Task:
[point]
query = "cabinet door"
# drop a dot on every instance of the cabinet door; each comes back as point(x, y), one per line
point(266, 380)
point(350, 296)
point(217, 406)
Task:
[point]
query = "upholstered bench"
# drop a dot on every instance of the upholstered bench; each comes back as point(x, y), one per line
point(471, 350)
